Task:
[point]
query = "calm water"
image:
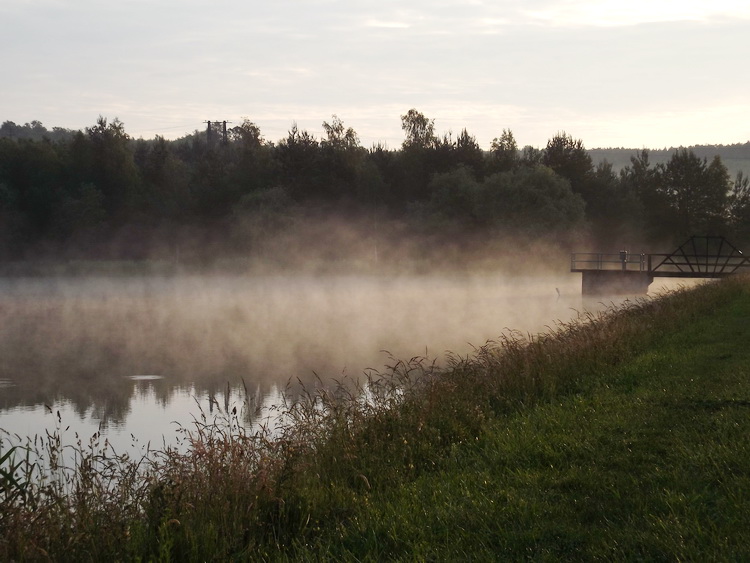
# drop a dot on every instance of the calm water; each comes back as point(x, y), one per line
point(138, 356)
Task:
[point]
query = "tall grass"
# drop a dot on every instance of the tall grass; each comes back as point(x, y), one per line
point(268, 492)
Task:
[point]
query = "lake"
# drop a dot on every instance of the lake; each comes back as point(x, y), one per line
point(139, 356)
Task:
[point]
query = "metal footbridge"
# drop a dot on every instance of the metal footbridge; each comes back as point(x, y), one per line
point(624, 272)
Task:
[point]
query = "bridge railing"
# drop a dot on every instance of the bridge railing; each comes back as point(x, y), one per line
point(698, 257)
point(695, 264)
point(671, 265)
point(623, 261)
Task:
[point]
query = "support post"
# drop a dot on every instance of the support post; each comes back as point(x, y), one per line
point(615, 282)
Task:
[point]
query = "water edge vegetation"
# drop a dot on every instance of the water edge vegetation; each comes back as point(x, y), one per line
point(622, 435)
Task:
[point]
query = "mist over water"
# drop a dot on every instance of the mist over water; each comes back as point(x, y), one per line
point(134, 354)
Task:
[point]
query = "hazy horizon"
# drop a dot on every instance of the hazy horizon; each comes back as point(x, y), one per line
point(181, 135)
point(638, 75)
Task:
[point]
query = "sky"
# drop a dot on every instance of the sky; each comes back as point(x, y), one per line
point(642, 73)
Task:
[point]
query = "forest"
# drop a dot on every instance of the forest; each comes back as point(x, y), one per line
point(99, 194)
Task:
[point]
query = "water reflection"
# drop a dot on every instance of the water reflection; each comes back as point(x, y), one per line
point(151, 422)
point(138, 355)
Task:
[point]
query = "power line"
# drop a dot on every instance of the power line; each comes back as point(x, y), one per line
point(209, 131)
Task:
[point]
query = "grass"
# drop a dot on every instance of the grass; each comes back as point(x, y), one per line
point(620, 436)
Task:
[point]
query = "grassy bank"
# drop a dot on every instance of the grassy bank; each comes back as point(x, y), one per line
point(648, 460)
point(623, 436)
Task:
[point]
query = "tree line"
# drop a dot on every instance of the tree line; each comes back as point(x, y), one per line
point(100, 193)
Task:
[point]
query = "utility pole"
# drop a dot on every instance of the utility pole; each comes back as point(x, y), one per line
point(209, 131)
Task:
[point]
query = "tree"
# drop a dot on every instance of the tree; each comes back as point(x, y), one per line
point(33, 172)
point(468, 153)
point(259, 218)
point(639, 174)
point(165, 178)
point(418, 156)
point(382, 169)
point(533, 202)
point(568, 158)
point(528, 202)
point(642, 181)
point(212, 191)
point(12, 224)
point(455, 199)
point(253, 167)
point(80, 211)
point(739, 209)
point(614, 210)
point(113, 169)
point(504, 150)
point(247, 134)
point(420, 131)
point(342, 160)
point(34, 131)
point(299, 158)
point(337, 137)
point(531, 157)
point(696, 193)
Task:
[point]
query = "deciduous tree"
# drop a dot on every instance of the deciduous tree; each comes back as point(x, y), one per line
point(504, 149)
point(419, 130)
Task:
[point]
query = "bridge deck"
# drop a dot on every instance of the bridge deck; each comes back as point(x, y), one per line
point(660, 265)
point(699, 257)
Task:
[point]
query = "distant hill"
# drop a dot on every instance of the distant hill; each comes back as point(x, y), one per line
point(34, 131)
point(735, 157)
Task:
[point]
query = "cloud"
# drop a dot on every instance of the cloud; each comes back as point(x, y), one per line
point(533, 65)
point(387, 24)
point(617, 13)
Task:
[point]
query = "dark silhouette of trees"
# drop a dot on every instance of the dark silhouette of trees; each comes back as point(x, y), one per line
point(81, 212)
point(533, 201)
point(32, 173)
point(696, 193)
point(165, 189)
point(416, 157)
point(252, 156)
point(424, 154)
point(568, 158)
point(614, 211)
point(505, 153)
point(94, 192)
point(342, 159)
point(419, 130)
point(739, 209)
point(468, 153)
point(299, 157)
point(528, 202)
point(613, 208)
point(642, 179)
point(112, 168)
point(686, 196)
point(34, 131)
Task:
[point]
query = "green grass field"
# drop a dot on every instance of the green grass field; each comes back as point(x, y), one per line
point(649, 460)
point(617, 437)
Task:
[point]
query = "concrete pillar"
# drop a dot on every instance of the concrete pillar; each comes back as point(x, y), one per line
point(615, 282)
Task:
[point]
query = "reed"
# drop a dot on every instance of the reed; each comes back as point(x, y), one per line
point(299, 488)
